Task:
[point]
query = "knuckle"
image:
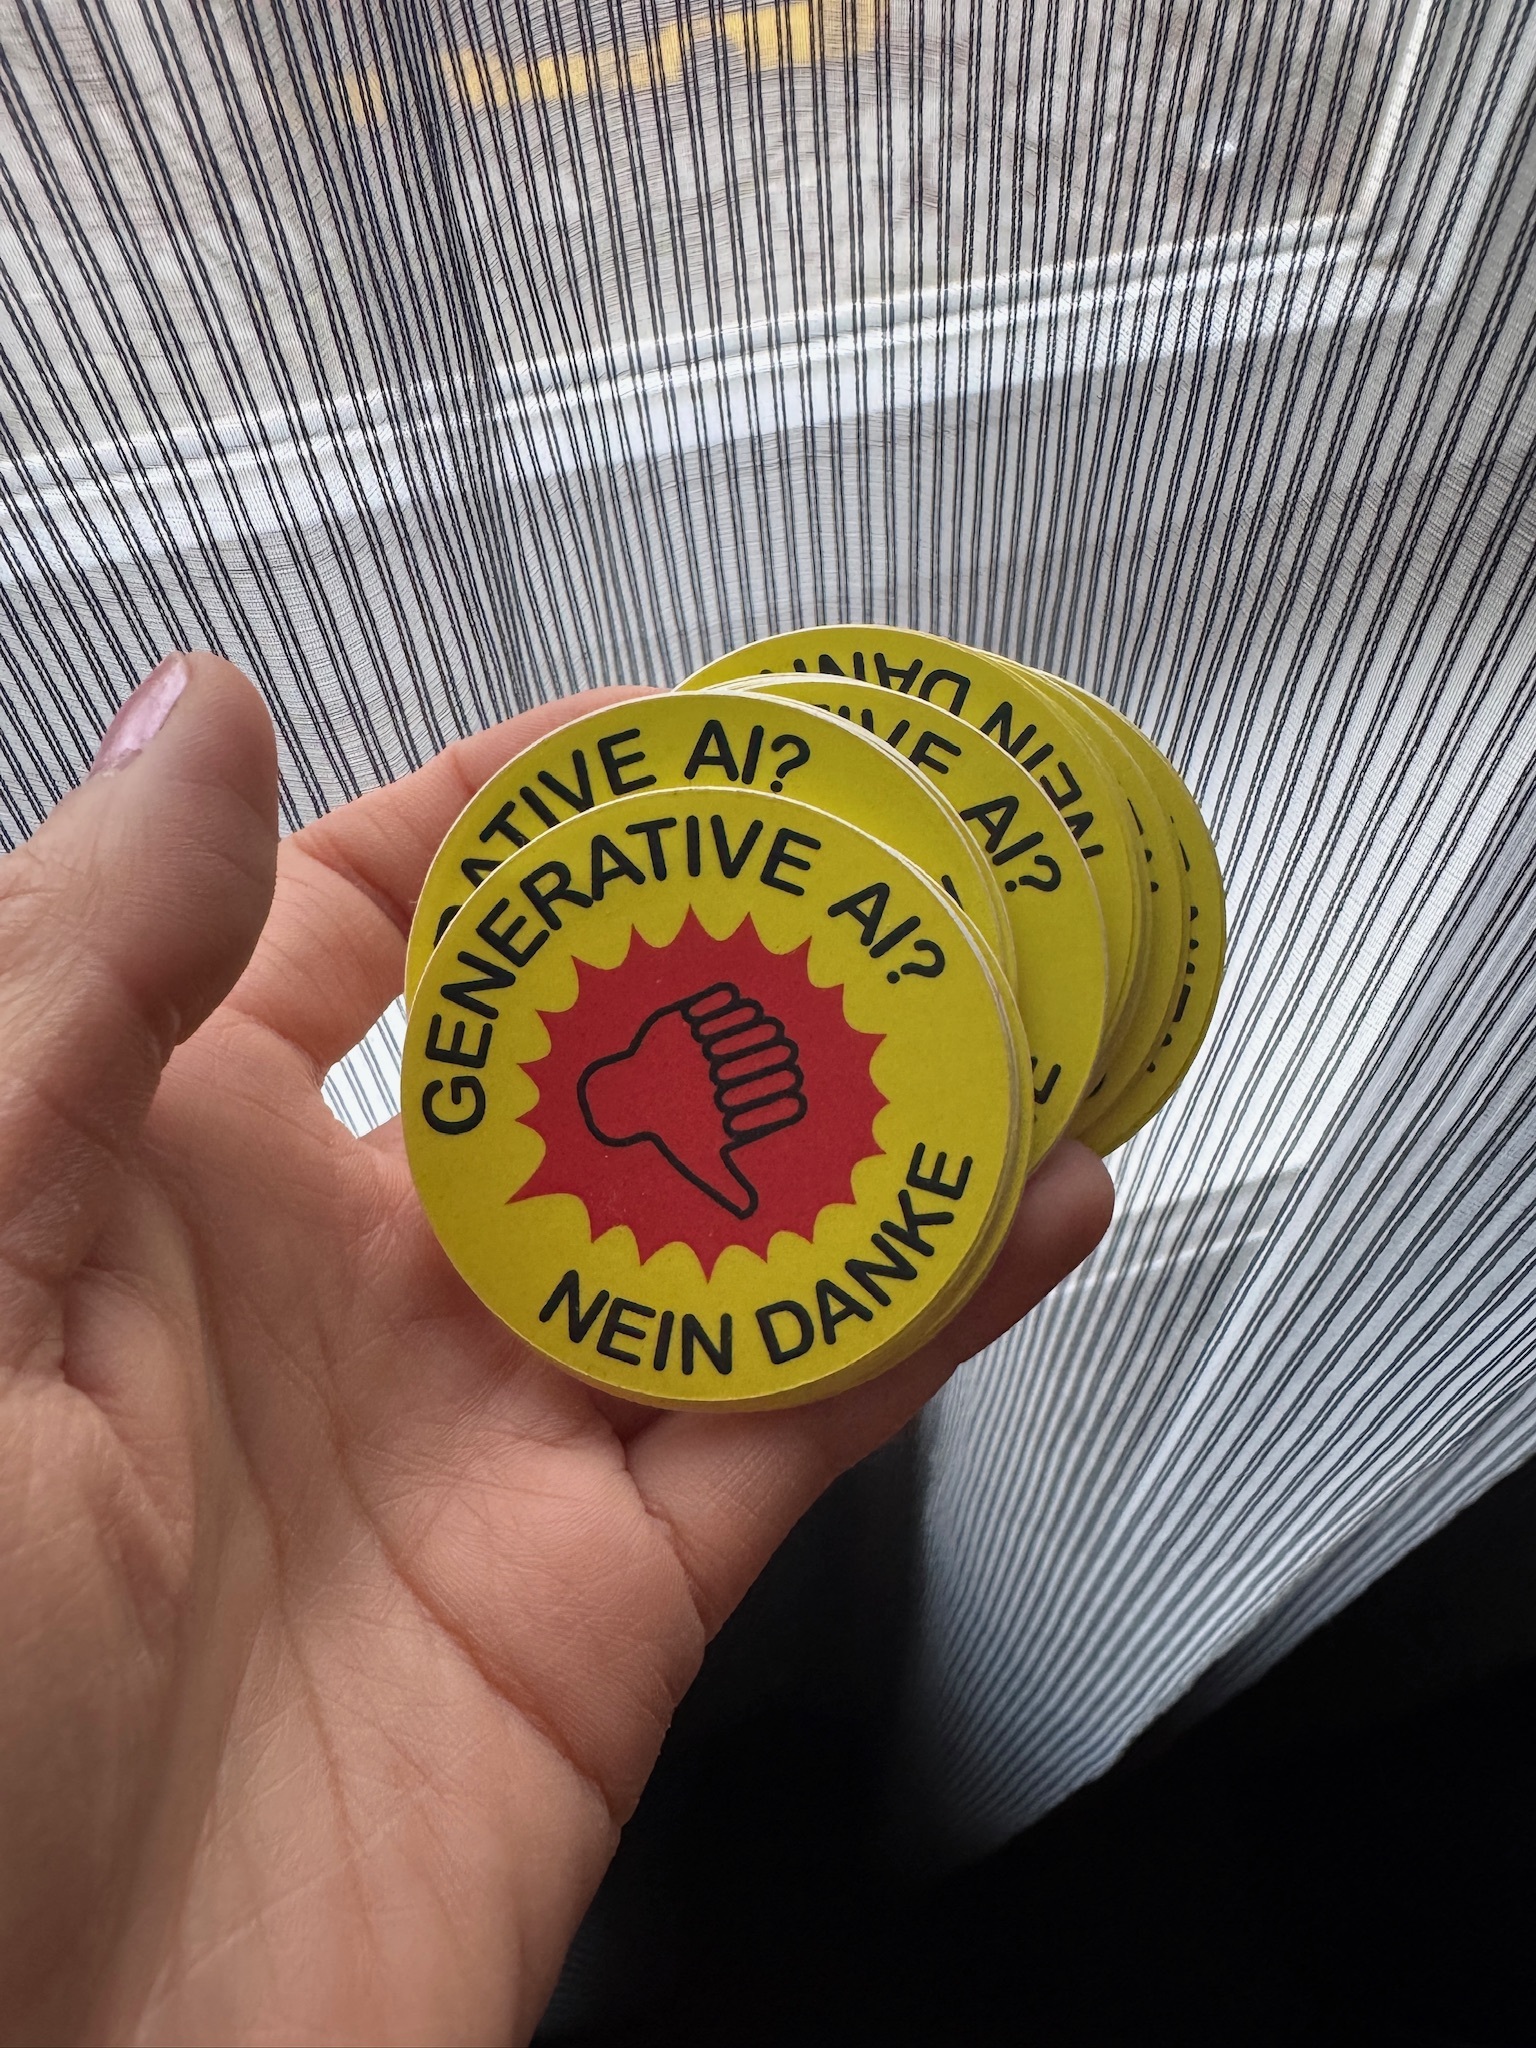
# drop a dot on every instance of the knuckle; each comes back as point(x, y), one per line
point(32, 886)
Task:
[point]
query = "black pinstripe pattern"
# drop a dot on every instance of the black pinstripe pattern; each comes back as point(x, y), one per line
point(1187, 351)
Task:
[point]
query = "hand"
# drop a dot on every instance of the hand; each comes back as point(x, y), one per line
point(339, 1632)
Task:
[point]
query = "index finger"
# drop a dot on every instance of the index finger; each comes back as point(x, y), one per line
point(332, 956)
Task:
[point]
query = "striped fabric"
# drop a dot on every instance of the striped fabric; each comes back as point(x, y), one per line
point(430, 359)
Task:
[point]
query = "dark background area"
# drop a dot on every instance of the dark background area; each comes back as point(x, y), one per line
point(1344, 1853)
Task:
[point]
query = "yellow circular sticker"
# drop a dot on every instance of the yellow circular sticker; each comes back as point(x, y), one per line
point(1049, 744)
point(1168, 908)
point(714, 1099)
point(1193, 1003)
point(674, 742)
point(1061, 978)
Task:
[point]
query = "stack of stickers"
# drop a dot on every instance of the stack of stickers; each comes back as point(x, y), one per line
point(740, 1014)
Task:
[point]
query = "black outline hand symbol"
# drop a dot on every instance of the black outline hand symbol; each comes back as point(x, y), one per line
point(753, 1071)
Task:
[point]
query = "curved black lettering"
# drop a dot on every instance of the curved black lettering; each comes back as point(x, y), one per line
point(460, 1087)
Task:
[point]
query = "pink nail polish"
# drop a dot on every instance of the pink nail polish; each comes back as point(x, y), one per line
point(141, 715)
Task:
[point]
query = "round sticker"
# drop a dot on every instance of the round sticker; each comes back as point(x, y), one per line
point(1061, 978)
point(1050, 745)
point(714, 1099)
point(1194, 999)
point(1168, 908)
point(675, 742)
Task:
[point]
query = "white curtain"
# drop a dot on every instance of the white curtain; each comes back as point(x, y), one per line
point(430, 359)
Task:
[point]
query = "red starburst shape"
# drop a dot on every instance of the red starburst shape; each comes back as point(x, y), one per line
point(705, 1092)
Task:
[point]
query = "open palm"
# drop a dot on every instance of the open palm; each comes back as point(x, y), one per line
point(339, 1632)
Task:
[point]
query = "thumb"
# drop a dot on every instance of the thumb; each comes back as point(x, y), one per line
point(123, 922)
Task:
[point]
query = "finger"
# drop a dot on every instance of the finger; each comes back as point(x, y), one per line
point(123, 922)
point(332, 958)
point(388, 1140)
point(730, 1487)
